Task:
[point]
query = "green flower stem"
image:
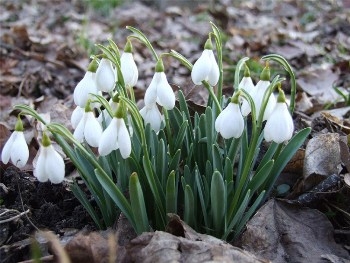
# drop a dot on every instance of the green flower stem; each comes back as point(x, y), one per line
point(143, 39)
point(213, 96)
point(168, 129)
point(218, 41)
point(281, 60)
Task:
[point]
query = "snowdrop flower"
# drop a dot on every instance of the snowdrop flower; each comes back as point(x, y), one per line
point(151, 115)
point(16, 147)
point(230, 121)
point(106, 75)
point(206, 68)
point(159, 89)
point(279, 126)
point(128, 66)
point(88, 128)
point(116, 136)
point(49, 165)
point(86, 86)
point(77, 115)
point(259, 92)
point(105, 115)
point(247, 85)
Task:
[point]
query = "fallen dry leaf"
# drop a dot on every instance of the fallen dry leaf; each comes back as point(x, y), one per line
point(283, 233)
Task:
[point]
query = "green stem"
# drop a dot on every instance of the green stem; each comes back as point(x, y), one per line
point(213, 96)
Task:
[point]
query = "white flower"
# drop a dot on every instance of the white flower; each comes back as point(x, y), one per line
point(83, 89)
point(105, 115)
point(230, 122)
point(206, 68)
point(129, 69)
point(279, 126)
point(77, 115)
point(16, 149)
point(106, 75)
point(88, 128)
point(115, 136)
point(160, 91)
point(49, 166)
point(258, 96)
point(151, 115)
point(247, 85)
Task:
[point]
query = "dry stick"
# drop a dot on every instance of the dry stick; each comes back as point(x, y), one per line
point(14, 217)
point(20, 197)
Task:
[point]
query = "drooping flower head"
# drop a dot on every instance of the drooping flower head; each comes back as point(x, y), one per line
point(87, 86)
point(206, 67)
point(128, 66)
point(247, 85)
point(279, 126)
point(260, 89)
point(159, 89)
point(116, 135)
point(106, 75)
point(151, 115)
point(49, 165)
point(230, 121)
point(16, 148)
point(88, 128)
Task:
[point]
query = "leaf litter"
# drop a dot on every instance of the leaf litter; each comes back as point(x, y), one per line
point(44, 51)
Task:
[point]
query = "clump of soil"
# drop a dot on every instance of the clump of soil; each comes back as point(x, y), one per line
point(49, 206)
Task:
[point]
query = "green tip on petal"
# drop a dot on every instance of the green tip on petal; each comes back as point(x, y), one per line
point(87, 106)
point(93, 66)
point(235, 97)
point(246, 71)
point(19, 124)
point(46, 140)
point(265, 74)
point(128, 47)
point(160, 66)
point(208, 44)
point(120, 112)
point(281, 97)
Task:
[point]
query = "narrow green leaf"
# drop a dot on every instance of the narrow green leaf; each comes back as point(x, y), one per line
point(189, 213)
point(171, 194)
point(117, 196)
point(218, 202)
point(228, 170)
point(217, 158)
point(259, 178)
point(138, 205)
point(202, 200)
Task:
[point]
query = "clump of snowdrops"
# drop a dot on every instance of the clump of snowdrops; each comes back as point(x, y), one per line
point(159, 160)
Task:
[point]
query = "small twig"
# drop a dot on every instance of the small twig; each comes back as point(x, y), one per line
point(342, 231)
point(14, 217)
point(49, 258)
point(20, 197)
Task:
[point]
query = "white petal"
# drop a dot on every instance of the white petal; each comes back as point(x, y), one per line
point(105, 75)
point(214, 74)
point(19, 151)
point(129, 69)
point(258, 95)
point(6, 151)
point(83, 89)
point(201, 68)
point(77, 115)
point(151, 115)
point(54, 165)
point(165, 94)
point(40, 168)
point(151, 92)
point(270, 106)
point(108, 141)
point(232, 123)
point(79, 131)
point(279, 126)
point(124, 141)
point(92, 130)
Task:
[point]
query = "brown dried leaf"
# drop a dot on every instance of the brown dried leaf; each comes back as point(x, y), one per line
point(319, 83)
point(282, 233)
